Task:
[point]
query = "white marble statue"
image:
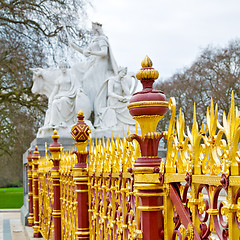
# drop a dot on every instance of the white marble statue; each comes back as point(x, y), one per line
point(65, 98)
point(99, 65)
point(61, 102)
point(112, 100)
point(95, 84)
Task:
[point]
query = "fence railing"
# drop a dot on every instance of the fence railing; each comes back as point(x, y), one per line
point(121, 189)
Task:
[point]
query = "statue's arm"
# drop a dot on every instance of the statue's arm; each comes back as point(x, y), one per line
point(76, 47)
point(101, 53)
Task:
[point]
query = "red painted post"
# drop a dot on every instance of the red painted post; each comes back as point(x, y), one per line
point(35, 161)
point(30, 190)
point(55, 148)
point(148, 107)
point(80, 133)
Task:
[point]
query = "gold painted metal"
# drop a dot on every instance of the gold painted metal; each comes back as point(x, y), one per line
point(215, 180)
point(190, 232)
point(149, 72)
point(147, 104)
point(148, 123)
point(204, 152)
point(109, 161)
point(152, 178)
point(174, 177)
point(151, 209)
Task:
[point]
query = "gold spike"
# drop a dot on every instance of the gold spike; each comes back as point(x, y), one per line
point(103, 140)
point(177, 123)
point(232, 115)
point(118, 137)
point(123, 131)
point(136, 126)
point(45, 149)
point(237, 118)
point(128, 132)
point(211, 117)
point(111, 134)
point(195, 124)
point(214, 126)
point(172, 107)
point(108, 142)
point(202, 128)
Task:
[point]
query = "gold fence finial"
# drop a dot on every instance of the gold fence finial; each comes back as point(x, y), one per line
point(55, 135)
point(147, 72)
point(146, 62)
point(80, 113)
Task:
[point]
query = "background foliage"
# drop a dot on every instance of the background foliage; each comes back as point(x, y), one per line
point(214, 74)
point(33, 34)
point(30, 33)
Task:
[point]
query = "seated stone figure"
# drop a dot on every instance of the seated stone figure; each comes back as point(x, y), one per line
point(112, 100)
point(61, 102)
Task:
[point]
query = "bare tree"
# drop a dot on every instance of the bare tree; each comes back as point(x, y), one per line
point(30, 33)
point(214, 74)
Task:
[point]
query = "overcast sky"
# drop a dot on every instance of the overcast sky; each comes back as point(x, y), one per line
point(171, 32)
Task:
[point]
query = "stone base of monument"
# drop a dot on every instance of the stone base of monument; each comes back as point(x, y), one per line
point(115, 131)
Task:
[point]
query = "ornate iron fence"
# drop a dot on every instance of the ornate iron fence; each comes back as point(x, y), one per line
point(125, 191)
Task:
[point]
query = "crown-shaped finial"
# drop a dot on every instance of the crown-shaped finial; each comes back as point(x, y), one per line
point(147, 72)
point(80, 132)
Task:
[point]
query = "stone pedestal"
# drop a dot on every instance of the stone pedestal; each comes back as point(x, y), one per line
point(99, 133)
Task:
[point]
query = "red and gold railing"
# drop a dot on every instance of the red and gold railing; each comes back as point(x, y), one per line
point(112, 205)
point(205, 165)
point(68, 196)
point(46, 200)
point(121, 189)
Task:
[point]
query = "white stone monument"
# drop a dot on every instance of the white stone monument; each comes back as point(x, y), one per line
point(95, 85)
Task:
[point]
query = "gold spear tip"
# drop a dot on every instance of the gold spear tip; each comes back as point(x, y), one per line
point(55, 132)
point(147, 62)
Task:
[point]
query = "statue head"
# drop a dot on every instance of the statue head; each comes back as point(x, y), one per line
point(63, 66)
point(97, 28)
point(122, 71)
